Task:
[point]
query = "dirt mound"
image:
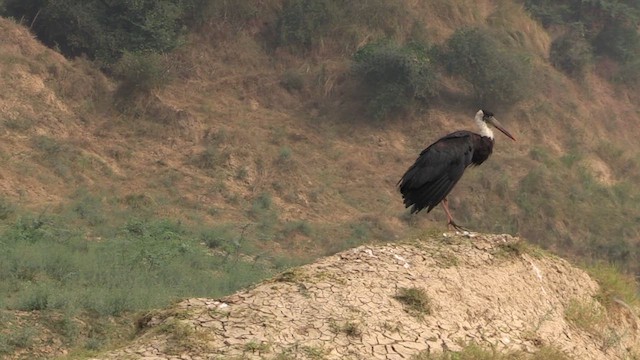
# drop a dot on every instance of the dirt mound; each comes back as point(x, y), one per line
point(492, 290)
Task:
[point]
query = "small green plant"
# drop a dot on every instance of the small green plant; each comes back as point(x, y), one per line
point(301, 227)
point(210, 158)
point(259, 347)
point(349, 328)
point(284, 159)
point(314, 352)
point(517, 248)
point(218, 237)
point(352, 329)
point(587, 315)
point(415, 300)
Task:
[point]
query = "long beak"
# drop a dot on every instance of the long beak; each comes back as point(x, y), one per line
point(498, 126)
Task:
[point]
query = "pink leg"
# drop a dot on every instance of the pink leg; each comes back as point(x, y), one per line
point(450, 222)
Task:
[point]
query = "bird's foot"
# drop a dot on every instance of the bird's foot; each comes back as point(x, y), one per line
point(453, 226)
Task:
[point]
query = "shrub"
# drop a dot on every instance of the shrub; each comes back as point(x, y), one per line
point(548, 12)
point(416, 301)
point(292, 80)
point(571, 53)
point(497, 76)
point(610, 25)
point(104, 29)
point(139, 74)
point(234, 13)
point(393, 76)
point(303, 22)
point(618, 41)
point(629, 74)
point(6, 208)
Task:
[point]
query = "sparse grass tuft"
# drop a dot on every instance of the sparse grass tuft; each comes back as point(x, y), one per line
point(349, 328)
point(587, 315)
point(415, 300)
point(475, 352)
point(315, 352)
point(18, 338)
point(352, 329)
point(615, 286)
point(257, 347)
point(518, 248)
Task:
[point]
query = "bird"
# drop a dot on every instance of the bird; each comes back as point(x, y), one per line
point(439, 167)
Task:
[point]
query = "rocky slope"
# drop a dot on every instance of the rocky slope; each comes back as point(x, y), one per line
point(491, 290)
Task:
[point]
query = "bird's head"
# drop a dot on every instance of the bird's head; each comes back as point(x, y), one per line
point(486, 117)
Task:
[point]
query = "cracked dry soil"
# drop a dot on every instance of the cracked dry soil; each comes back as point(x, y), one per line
point(345, 306)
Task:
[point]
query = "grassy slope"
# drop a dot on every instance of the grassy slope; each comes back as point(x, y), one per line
point(225, 145)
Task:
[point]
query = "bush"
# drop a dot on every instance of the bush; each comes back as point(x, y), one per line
point(571, 53)
point(629, 74)
point(139, 74)
point(235, 13)
point(393, 76)
point(609, 25)
point(618, 41)
point(548, 12)
point(103, 30)
point(303, 22)
point(498, 76)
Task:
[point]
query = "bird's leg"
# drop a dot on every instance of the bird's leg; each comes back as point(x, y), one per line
point(450, 222)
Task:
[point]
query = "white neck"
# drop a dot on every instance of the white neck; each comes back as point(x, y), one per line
point(485, 130)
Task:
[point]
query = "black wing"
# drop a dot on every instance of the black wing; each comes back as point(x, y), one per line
point(436, 171)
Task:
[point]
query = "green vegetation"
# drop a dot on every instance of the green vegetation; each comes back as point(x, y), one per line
point(103, 257)
point(303, 23)
point(49, 266)
point(392, 76)
point(572, 53)
point(498, 76)
point(415, 300)
point(106, 29)
point(587, 315)
point(609, 27)
point(139, 74)
point(475, 352)
point(349, 328)
point(615, 286)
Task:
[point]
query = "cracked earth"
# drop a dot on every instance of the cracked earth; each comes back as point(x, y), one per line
point(483, 289)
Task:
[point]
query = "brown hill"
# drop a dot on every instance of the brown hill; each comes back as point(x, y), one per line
point(490, 290)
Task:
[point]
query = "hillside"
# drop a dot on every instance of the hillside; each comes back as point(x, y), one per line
point(489, 290)
point(256, 147)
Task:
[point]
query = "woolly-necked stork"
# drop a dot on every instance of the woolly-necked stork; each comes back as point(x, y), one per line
point(439, 167)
